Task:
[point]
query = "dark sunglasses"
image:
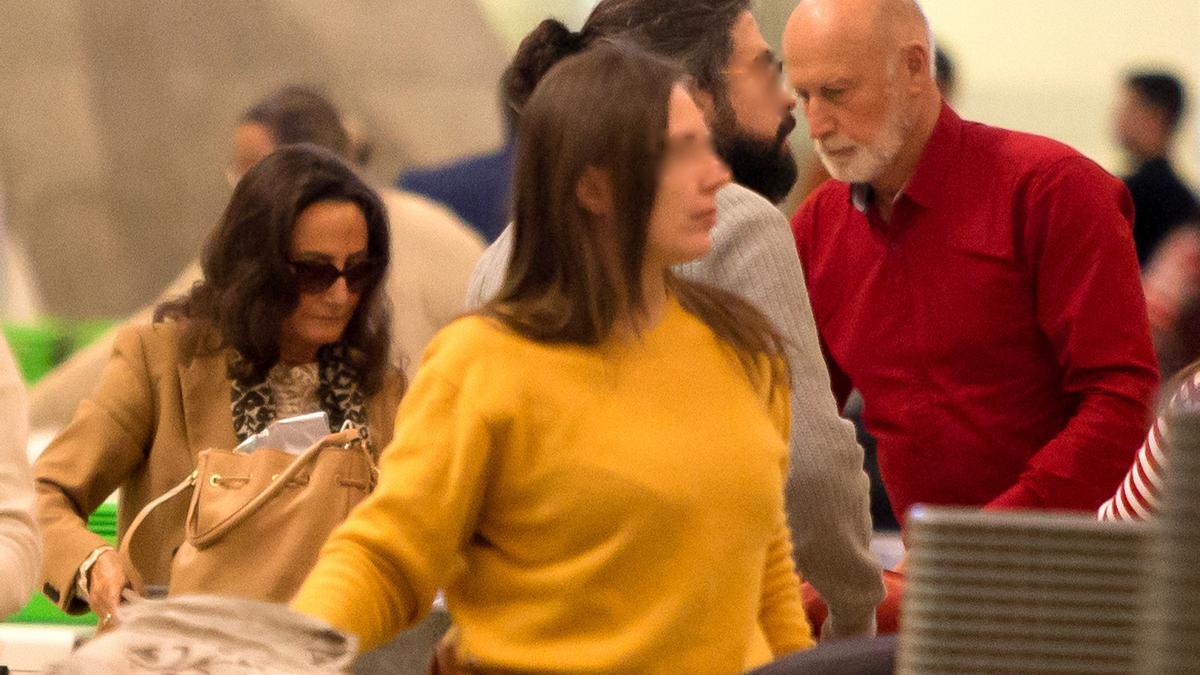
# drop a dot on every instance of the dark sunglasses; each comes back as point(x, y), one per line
point(316, 277)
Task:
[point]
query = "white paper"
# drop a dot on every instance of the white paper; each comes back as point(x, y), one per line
point(292, 435)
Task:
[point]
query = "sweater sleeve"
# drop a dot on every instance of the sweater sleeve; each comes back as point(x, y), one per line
point(781, 613)
point(827, 490)
point(379, 571)
point(1091, 308)
point(20, 546)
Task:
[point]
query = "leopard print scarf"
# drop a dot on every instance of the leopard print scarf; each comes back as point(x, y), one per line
point(254, 407)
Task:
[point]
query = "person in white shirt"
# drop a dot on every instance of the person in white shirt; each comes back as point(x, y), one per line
point(20, 546)
point(19, 297)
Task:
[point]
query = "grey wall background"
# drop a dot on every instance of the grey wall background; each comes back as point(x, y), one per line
point(115, 117)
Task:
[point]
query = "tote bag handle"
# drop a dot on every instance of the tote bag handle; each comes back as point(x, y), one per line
point(341, 438)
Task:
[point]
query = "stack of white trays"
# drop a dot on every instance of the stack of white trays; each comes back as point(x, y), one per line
point(1020, 592)
point(1171, 642)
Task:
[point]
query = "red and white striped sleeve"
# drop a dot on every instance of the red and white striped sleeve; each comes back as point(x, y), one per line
point(1138, 496)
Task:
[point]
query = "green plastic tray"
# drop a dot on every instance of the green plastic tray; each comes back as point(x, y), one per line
point(85, 332)
point(36, 347)
point(39, 347)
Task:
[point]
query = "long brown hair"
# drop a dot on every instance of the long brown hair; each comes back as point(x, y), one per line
point(248, 288)
point(605, 108)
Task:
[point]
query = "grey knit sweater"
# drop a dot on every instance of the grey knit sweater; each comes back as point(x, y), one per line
point(753, 255)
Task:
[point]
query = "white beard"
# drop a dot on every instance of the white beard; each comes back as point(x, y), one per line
point(867, 161)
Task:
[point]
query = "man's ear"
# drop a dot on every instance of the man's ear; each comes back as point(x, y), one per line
point(915, 60)
point(595, 192)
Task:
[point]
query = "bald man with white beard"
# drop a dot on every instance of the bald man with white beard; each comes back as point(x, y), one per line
point(977, 285)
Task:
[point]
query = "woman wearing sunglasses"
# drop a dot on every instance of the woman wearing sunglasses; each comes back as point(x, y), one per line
point(289, 319)
point(593, 466)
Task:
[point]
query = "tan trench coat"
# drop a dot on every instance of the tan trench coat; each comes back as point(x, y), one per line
point(141, 430)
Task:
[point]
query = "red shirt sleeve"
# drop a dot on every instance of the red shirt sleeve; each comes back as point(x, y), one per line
point(839, 381)
point(803, 224)
point(1078, 241)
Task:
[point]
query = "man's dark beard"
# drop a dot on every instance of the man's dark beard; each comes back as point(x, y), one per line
point(767, 167)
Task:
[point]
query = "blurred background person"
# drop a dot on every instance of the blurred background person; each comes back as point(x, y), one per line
point(945, 74)
point(20, 545)
point(289, 318)
point(432, 256)
point(477, 188)
point(1166, 214)
point(1171, 282)
point(563, 463)
point(19, 299)
point(1148, 115)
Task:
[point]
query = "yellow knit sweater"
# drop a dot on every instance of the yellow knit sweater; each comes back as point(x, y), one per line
point(587, 509)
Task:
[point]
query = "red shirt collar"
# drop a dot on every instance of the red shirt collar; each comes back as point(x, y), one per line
point(942, 148)
point(927, 183)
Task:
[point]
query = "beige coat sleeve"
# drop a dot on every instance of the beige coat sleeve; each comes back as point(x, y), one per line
point(101, 447)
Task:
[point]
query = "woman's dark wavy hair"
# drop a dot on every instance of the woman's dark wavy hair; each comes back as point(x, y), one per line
point(248, 289)
point(605, 108)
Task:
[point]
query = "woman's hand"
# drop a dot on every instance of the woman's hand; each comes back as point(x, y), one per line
point(106, 582)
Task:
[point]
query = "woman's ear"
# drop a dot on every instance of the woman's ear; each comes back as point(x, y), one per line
point(595, 191)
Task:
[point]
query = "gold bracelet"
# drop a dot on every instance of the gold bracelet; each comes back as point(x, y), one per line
point(81, 583)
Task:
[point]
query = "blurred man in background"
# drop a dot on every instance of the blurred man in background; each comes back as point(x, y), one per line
point(1148, 114)
point(477, 188)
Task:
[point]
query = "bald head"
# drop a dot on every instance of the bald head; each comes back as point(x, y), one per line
point(878, 26)
point(863, 70)
point(904, 22)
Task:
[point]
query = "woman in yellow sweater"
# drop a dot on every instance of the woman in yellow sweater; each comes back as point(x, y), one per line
point(593, 466)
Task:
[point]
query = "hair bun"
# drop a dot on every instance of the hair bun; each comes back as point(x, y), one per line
point(557, 34)
point(545, 46)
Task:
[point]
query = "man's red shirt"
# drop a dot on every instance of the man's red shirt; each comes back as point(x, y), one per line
point(995, 325)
